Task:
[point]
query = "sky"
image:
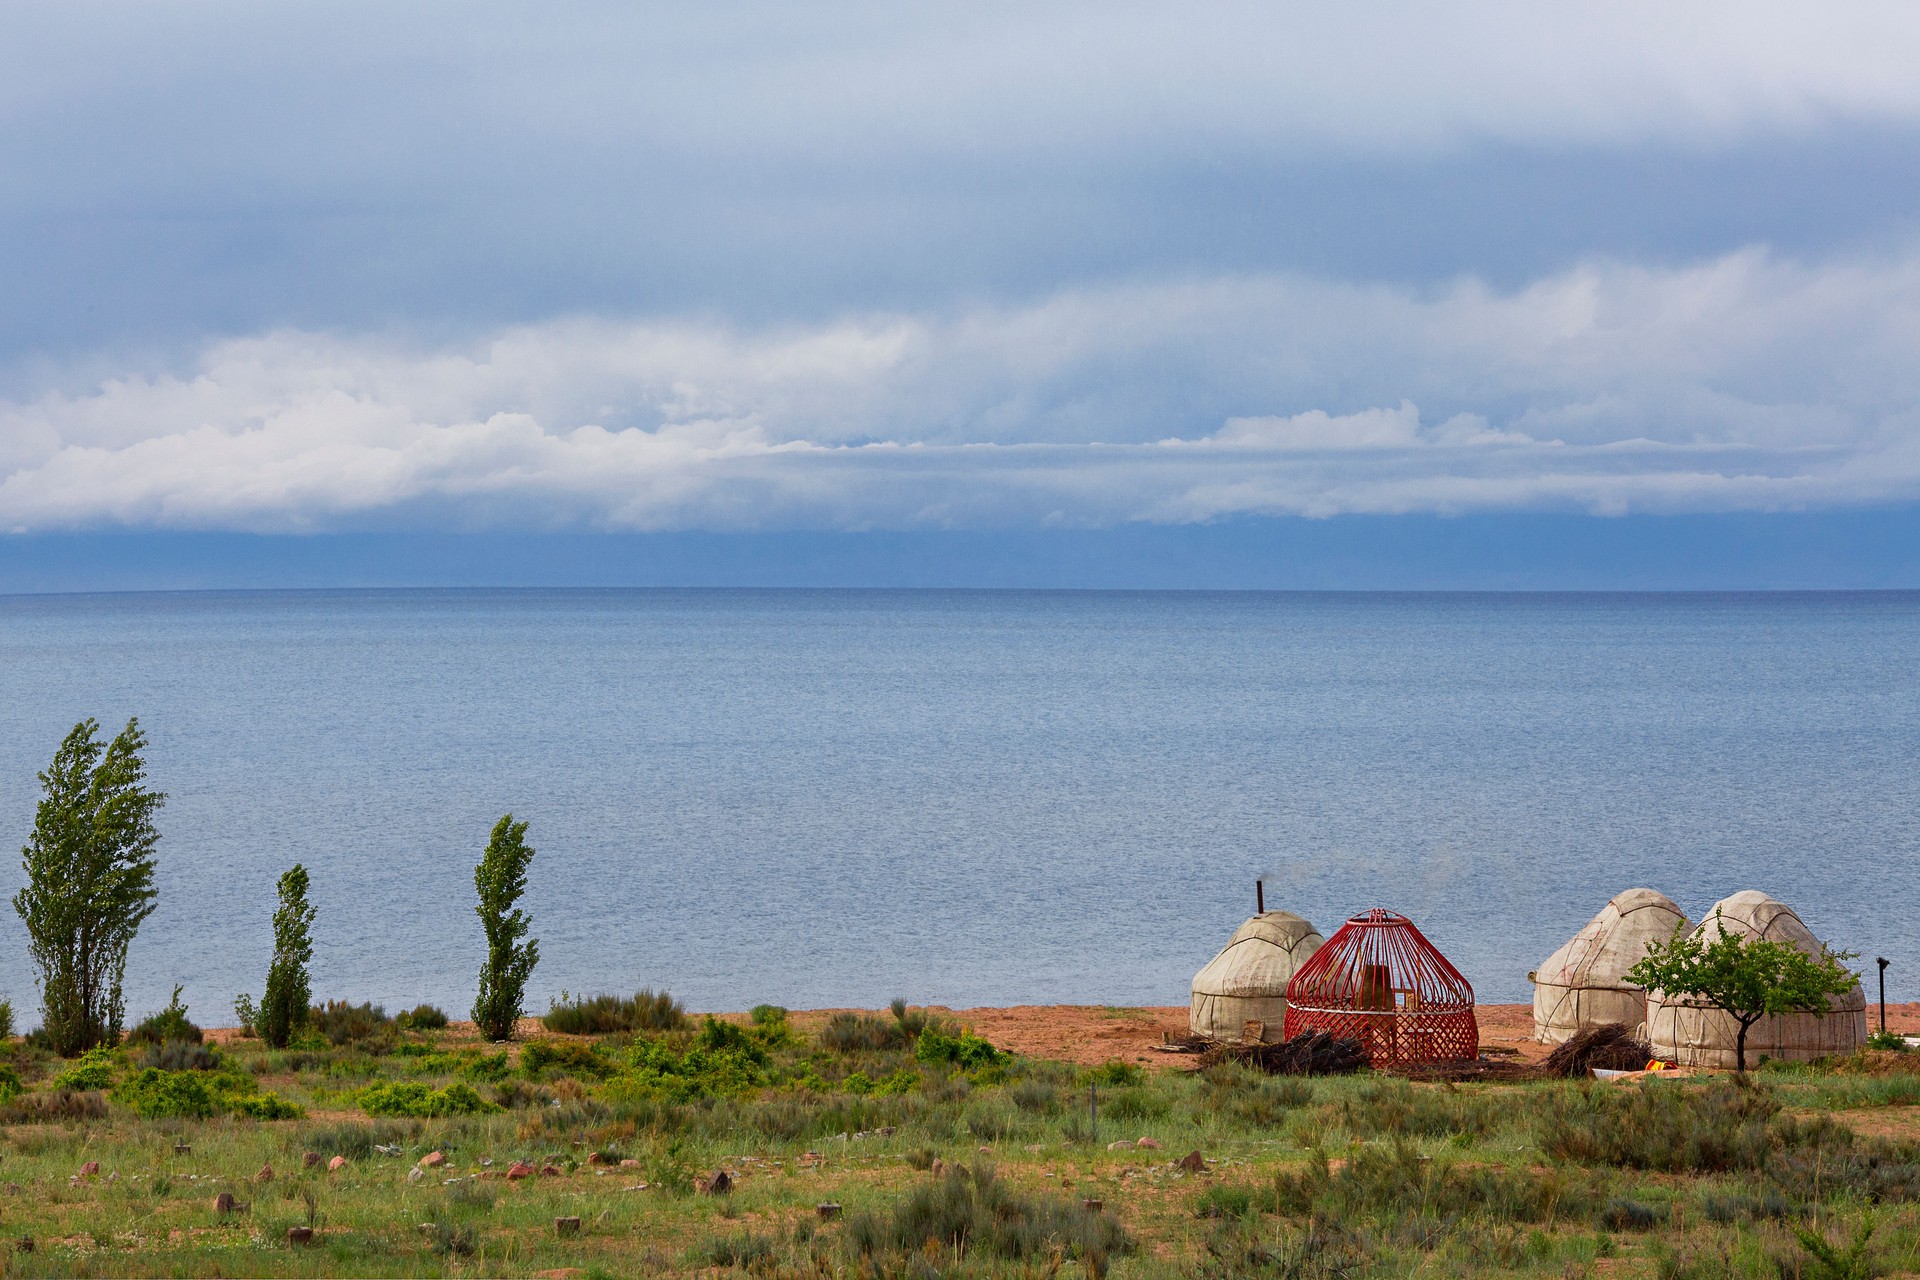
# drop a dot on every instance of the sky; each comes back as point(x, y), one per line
point(1114, 271)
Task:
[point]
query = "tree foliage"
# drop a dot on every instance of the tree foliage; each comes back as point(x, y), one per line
point(1746, 977)
point(284, 1008)
point(89, 866)
point(501, 878)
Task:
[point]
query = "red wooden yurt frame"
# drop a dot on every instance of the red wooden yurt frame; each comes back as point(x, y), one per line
point(1379, 981)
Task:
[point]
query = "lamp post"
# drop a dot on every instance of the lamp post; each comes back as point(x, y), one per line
point(1882, 962)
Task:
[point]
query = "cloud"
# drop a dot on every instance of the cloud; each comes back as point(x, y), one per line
point(1743, 382)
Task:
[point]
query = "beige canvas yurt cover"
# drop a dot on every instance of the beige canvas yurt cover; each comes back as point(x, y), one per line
point(1693, 1035)
point(1583, 984)
point(1247, 981)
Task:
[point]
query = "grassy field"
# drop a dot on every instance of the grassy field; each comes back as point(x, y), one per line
point(944, 1159)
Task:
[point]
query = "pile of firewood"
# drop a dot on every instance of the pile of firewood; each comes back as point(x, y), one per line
point(1609, 1046)
point(1312, 1053)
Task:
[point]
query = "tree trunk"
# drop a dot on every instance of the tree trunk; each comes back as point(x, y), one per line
point(1740, 1047)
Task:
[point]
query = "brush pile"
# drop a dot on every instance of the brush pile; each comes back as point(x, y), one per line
point(1610, 1046)
point(1313, 1053)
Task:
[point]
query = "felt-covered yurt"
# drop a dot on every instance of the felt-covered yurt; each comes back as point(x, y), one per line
point(1583, 984)
point(1247, 982)
point(1694, 1035)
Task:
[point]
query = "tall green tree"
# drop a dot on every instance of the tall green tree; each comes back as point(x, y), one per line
point(89, 866)
point(501, 878)
point(289, 998)
point(1745, 977)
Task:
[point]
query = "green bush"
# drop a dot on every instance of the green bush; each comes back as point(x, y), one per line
point(861, 1033)
point(411, 1098)
point(343, 1023)
point(605, 1014)
point(765, 1015)
point(1115, 1074)
point(1888, 1040)
point(180, 1055)
point(94, 1070)
point(725, 1061)
point(169, 1024)
point(422, 1017)
point(966, 1050)
point(1394, 1107)
point(155, 1094)
point(542, 1057)
point(1399, 1185)
point(10, 1086)
point(266, 1106)
point(6, 1019)
point(970, 1211)
point(1663, 1126)
point(489, 1068)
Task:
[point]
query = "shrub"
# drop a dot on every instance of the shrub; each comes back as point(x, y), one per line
point(564, 1058)
point(488, 1067)
point(246, 1015)
point(1620, 1214)
point(285, 1005)
point(343, 1023)
point(1662, 1126)
point(411, 1098)
point(423, 1017)
point(1225, 1200)
point(861, 1033)
point(966, 1050)
point(6, 1019)
point(54, 1106)
point(1396, 1107)
point(180, 1055)
point(1114, 1074)
point(10, 1086)
point(744, 1252)
point(500, 879)
point(94, 1070)
point(354, 1141)
point(266, 1106)
point(89, 865)
point(169, 1024)
point(969, 1210)
point(604, 1014)
point(154, 1093)
point(1888, 1040)
point(765, 1015)
point(1399, 1184)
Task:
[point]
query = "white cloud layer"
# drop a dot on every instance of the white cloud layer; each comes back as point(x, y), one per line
point(1745, 382)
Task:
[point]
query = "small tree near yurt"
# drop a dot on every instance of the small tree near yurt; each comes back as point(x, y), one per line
point(501, 878)
point(1748, 978)
point(285, 1007)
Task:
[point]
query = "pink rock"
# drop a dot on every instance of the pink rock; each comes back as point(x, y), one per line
point(265, 1174)
point(311, 1160)
point(432, 1160)
point(90, 1168)
point(1147, 1144)
point(629, 1163)
point(549, 1171)
point(521, 1169)
point(336, 1164)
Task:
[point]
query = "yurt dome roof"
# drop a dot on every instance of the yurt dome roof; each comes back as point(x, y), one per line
point(1613, 941)
point(1260, 957)
point(1754, 914)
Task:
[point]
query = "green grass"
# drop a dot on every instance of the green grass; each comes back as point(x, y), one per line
point(1336, 1178)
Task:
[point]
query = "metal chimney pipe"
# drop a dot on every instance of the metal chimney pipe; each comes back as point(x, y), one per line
point(1882, 962)
point(1260, 906)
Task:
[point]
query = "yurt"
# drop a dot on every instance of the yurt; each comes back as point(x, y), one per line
point(1583, 984)
point(1379, 981)
point(1694, 1035)
point(1247, 982)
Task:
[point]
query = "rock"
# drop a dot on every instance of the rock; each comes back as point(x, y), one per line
point(415, 1174)
point(629, 1163)
point(336, 1164)
point(433, 1160)
point(1093, 1206)
point(1147, 1144)
point(265, 1174)
point(311, 1160)
point(519, 1169)
point(549, 1170)
point(938, 1166)
point(224, 1203)
point(718, 1185)
point(297, 1236)
point(594, 1157)
point(827, 1212)
point(1193, 1162)
point(90, 1168)
point(566, 1226)
point(1122, 1145)
point(885, 1131)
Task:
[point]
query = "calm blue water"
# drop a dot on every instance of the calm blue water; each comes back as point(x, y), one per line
point(825, 798)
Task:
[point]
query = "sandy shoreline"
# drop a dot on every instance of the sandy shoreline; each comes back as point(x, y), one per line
point(1093, 1034)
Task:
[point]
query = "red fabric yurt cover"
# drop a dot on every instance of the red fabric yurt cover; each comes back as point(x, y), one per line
point(1379, 981)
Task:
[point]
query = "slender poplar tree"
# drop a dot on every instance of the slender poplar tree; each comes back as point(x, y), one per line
point(501, 878)
point(285, 1007)
point(89, 866)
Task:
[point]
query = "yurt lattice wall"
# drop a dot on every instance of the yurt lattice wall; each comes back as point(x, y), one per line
point(1379, 981)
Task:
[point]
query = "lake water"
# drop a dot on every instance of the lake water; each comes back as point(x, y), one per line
point(829, 797)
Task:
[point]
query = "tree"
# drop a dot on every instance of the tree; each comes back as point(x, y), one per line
point(289, 997)
point(89, 866)
point(1745, 977)
point(501, 878)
